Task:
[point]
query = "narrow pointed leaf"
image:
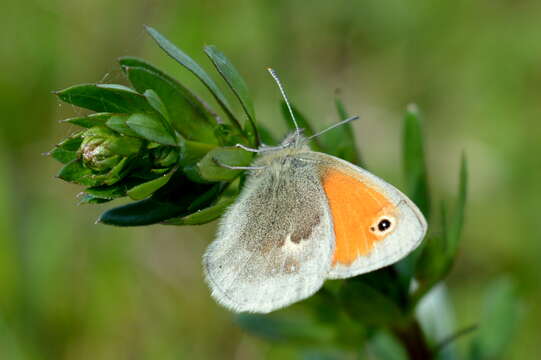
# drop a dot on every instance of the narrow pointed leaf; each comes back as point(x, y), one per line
point(97, 119)
point(340, 141)
point(195, 68)
point(416, 181)
point(186, 112)
point(146, 189)
point(157, 104)
point(144, 212)
point(414, 161)
point(108, 192)
point(105, 98)
point(237, 84)
point(172, 200)
point(85, 198)
point(62, 155)
point(204, 216)
point(75, 172)
point(66, 151)
point(212, 212)
point(151, 128)
point(117, 123)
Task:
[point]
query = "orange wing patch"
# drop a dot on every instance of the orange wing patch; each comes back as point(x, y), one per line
point(357, 210)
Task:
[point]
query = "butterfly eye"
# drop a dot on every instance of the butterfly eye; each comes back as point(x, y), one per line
point(383, 225)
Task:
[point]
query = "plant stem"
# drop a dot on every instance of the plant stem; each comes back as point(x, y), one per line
point(412, 337)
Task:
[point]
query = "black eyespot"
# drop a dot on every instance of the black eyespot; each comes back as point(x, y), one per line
point(384, 225)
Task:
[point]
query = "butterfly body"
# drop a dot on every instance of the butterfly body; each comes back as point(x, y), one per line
point(301, 218)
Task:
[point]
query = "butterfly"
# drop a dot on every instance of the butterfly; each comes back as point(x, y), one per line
point(301, 218)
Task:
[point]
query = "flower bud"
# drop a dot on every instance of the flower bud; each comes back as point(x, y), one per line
point(103, 151)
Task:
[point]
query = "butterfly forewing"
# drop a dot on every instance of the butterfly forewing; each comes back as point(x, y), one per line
point(275, 244)
point(375, 224)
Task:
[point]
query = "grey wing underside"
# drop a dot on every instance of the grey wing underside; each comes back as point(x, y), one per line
point(274, 245)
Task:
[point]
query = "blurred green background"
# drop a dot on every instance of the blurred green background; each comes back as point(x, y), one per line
point(70, 289)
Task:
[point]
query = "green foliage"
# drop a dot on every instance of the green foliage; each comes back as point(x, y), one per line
point(170, 137)
point(163, 147)
point(187, 114)
point(341, 139)
point(105, 98)
point(414, 161)
point(239, 88)
point(196, 69)
point(498, 321)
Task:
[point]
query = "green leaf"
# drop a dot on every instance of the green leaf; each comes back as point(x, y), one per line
point(367, 303)
point(118, 124)
point(151, 128)
point(416, 180)
point(105, 98)
point(195, 68)
point(75, 172)
point(204, 216)
point(237, 84)
point(206, 199)
point(457, 222)
point(432, 265)
point(209, 170)
point(212, 212)
point(340, 141)
point(187, 113)
point(414, 161)
point(498, 321)
point(265, 135)
point(303, 123)
point(157, 104)
point(172, 200)
point(386, 347)
point(85, 198)
point(146, 189)
point(191, 152)
point(290, 327)
point(439, 252)
point(144, 212)
point(97, 119)
point(66, 151)
point(228, 135)
point(107, 192)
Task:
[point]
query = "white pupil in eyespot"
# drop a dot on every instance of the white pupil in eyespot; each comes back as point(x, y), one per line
point(384, 224)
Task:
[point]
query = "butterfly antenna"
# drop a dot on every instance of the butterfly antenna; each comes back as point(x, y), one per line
point(279, 83)
point(340, 123)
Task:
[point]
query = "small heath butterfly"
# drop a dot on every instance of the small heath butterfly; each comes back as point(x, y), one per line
point(303, 217)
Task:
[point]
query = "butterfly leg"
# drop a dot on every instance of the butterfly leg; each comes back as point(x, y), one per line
point(260, 150)
point(244, 147)
point(232, 167)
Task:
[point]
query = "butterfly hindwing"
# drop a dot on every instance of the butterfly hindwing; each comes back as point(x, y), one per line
point(274, 245)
